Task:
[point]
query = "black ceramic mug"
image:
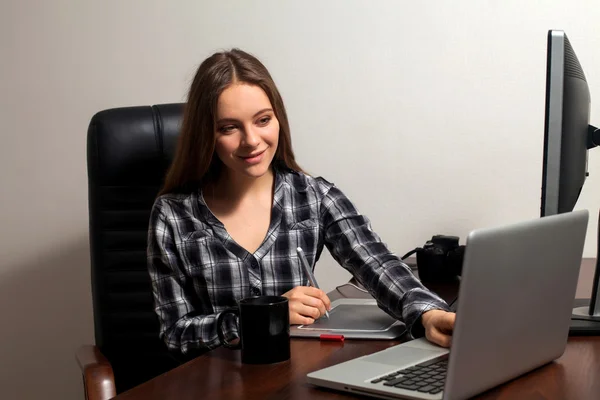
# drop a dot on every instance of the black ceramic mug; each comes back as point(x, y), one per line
point(264, 328)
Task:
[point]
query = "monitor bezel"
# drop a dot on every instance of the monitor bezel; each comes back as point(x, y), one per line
point(553, 123)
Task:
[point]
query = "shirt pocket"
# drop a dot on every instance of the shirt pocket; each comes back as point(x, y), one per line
point(197, 252)
point(305, 224)
point(287, 272)
point(303, 234)
point(216, 274)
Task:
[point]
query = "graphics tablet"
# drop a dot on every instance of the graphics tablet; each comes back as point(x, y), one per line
point(355, 319)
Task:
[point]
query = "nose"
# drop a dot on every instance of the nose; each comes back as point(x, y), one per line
point(251, 137)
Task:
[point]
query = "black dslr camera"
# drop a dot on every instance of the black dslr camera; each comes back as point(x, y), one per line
point(440, 259)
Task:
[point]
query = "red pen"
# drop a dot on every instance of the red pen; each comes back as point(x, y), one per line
point(333, 338)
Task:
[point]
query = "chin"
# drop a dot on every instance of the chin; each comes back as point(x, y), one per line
point(256, 171)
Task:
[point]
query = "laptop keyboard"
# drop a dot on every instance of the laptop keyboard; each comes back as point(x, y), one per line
point(426, 377)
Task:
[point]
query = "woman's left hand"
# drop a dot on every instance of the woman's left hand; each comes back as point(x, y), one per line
point(438, 326)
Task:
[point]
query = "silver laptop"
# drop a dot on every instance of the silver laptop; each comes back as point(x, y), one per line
point(514, 310)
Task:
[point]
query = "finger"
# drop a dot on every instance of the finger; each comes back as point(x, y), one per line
point(290, 293)
point(446, 322)
point(301, 290)
point(297, 319)
point(304, 320)
point(314, 302)
point(311, 291)
point(297, 292)
point(298, 306)
point(438, 337)
point(307, 311)
point(325, 300)
point(318, 293)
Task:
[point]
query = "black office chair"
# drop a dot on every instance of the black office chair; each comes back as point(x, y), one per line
point(128, 152)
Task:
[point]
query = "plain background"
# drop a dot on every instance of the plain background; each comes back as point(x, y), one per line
point(429, 115)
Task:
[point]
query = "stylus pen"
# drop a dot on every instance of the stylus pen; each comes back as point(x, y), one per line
point(308, 270)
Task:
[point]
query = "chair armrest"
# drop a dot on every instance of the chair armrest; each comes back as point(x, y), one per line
point(98, 376)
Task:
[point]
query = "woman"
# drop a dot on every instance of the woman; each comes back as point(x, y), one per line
point(234, 207)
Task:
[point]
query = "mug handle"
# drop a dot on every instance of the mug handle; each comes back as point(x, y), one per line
point(224, 341)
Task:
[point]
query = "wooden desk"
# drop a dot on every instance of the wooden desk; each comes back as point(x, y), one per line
point(221, 375)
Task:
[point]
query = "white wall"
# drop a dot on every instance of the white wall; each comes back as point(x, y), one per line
point(429, 115)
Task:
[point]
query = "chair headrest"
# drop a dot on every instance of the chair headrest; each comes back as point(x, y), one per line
point(132, 146)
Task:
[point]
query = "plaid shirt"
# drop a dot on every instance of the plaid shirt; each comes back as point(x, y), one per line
point(198, 270)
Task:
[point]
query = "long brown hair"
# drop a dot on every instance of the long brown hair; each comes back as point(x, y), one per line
point(195, 161)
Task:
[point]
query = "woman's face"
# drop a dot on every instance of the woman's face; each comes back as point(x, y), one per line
point(246, 130)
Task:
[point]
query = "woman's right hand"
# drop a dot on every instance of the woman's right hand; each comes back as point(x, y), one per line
point(307, 304)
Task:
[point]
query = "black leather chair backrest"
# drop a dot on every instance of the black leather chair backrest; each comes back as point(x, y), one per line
point(128, 152)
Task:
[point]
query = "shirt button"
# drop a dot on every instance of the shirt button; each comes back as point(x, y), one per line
point(255, 291)
point(254, 264)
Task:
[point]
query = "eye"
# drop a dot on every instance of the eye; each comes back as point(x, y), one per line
point(227, 129)
point(264, 120)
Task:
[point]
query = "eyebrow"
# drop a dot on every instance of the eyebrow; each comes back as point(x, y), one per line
point(235, 120)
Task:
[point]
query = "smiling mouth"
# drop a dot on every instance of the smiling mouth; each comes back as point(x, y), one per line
point(253, 155)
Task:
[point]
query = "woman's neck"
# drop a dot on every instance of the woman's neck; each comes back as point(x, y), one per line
point(237, 187)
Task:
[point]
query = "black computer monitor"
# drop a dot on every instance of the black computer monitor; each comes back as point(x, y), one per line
point(567, 138)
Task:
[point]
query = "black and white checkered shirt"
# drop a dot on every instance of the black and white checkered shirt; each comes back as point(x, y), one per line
point(198, 270)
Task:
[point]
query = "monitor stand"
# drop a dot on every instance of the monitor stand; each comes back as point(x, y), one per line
point(582, 323)
point(585, 319)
